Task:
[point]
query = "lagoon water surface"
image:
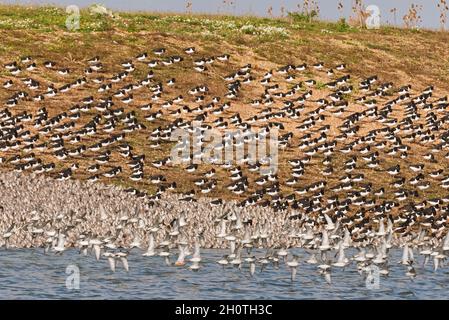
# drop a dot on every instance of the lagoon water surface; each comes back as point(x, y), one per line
point(31, 274)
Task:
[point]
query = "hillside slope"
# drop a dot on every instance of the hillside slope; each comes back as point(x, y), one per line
point(393, 53)
point(399, 56)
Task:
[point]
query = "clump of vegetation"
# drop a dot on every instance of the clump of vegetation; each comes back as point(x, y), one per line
point(394, 12)
point(359, 14)
point(299, 17)
point(283, 11)
point(189, 5)
point(306, 13)
point(342, 25)
point(413, 18)
point(444, 8)
point(100, 10)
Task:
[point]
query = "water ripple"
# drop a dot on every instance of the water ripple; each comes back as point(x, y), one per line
point(30, 274)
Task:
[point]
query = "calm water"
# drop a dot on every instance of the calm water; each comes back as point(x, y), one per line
point(29, 274)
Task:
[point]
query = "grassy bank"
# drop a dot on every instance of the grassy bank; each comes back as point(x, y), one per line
point(396, 54)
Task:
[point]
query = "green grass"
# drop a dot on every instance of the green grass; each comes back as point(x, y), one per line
point(292, 39)
point(46, 18)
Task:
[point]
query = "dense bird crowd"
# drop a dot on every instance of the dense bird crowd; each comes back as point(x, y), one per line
point(361, 162)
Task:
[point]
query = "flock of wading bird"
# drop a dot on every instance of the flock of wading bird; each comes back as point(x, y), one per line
point(361, 163)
